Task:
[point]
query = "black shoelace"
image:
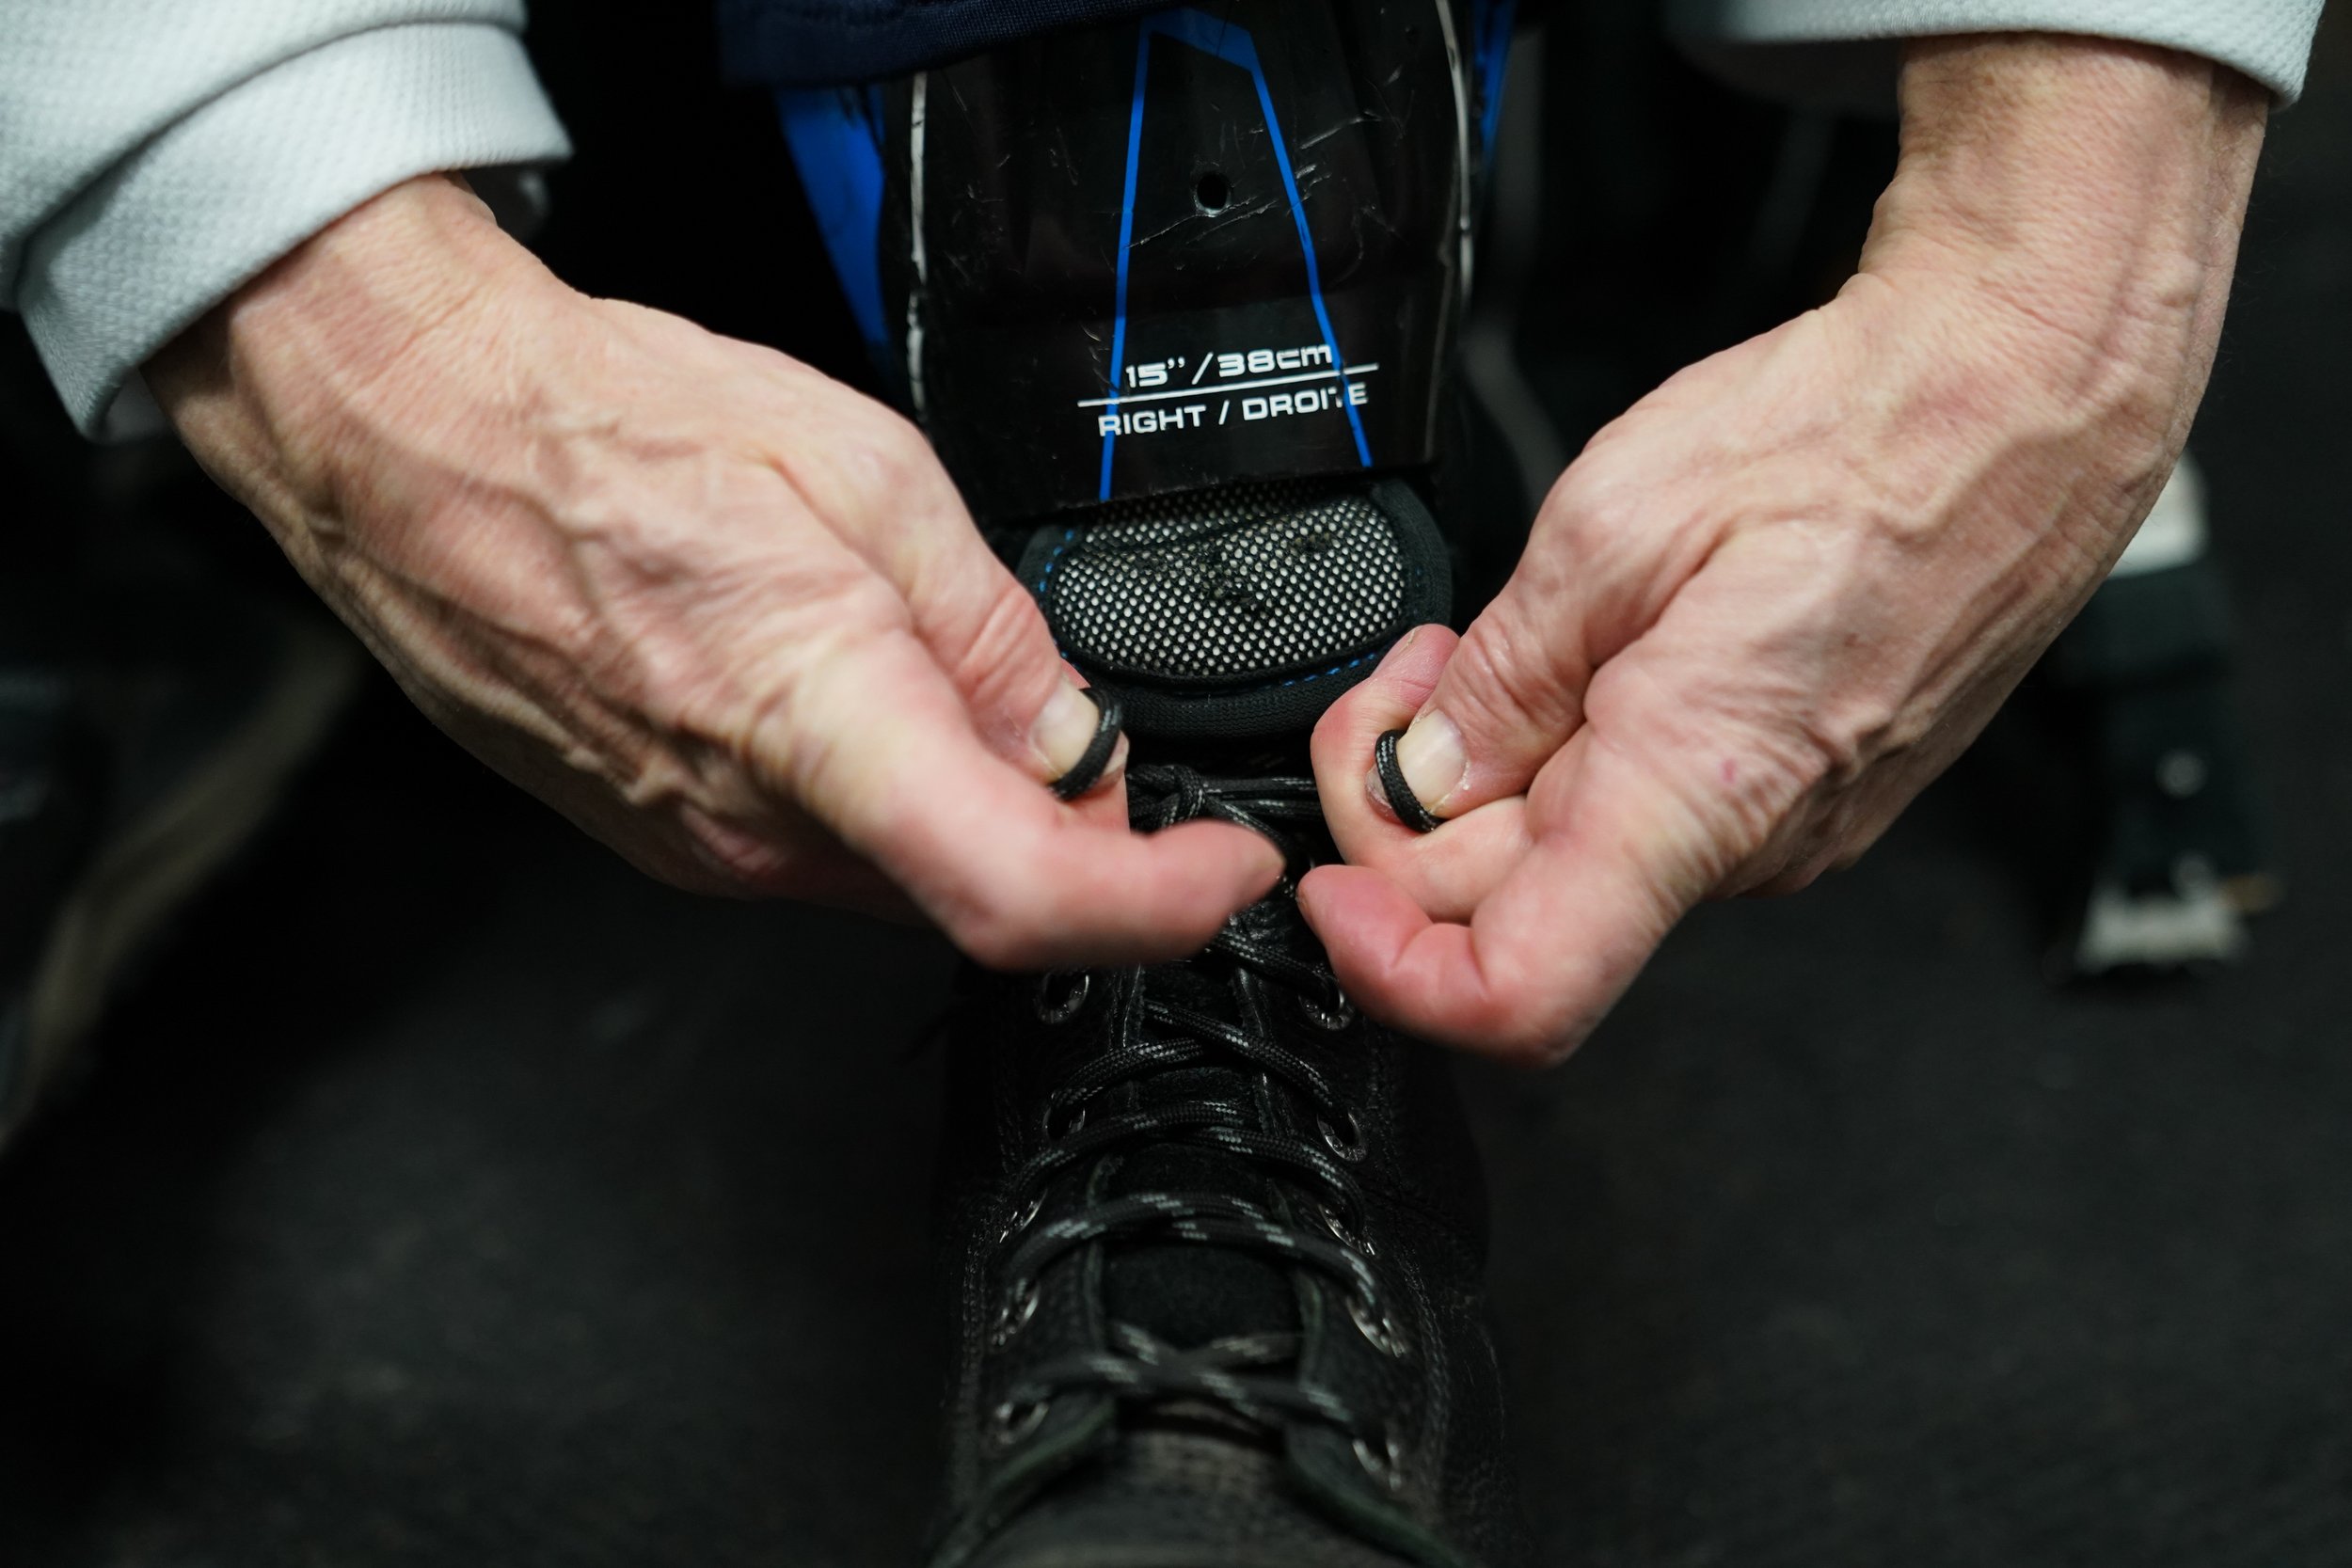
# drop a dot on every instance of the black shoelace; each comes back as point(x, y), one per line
point(1250, 1375)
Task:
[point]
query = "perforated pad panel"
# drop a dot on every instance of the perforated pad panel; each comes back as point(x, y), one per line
point(1252, 581)
point(1210, 600)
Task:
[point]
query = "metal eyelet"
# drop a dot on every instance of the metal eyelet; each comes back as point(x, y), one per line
point(1378, 1329)
point(1341, 1234)
point(1339, 1016)
point(1050, 1010)
point(1351, 1148)
point(1021, 1219)
point(1017, 1423)
point(1012, 1317)
point(1063, 1121)
point(1386, 1466)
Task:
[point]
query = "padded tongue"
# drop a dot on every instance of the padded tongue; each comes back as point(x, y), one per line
point(1240, 611)
point(1182, 1292)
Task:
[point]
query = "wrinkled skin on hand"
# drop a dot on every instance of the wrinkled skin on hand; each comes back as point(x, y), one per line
point(1775, 599)
point(727, 615)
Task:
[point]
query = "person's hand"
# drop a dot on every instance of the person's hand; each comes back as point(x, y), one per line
point(1768, 604)
point(728, 616)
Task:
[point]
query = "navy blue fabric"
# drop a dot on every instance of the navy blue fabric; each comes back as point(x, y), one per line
point(808, 44)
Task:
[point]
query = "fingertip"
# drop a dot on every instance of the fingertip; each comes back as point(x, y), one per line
point(1387, 698)
point(1366, 920)
point(1252, 863)
point(1425, 976)
point(1161, 896)
point(1361, 818)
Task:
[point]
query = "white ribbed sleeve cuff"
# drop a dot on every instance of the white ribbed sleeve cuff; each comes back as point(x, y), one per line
point(1841, 51)
point(178, 224)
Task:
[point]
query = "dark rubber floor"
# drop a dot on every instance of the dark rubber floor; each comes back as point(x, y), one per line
point(448, 1195)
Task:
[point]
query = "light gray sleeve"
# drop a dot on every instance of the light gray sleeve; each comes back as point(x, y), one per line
point(155, 154)
point(1842, 54)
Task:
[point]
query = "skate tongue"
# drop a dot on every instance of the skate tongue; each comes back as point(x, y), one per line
point(1225, 621)
point(1182, 1292)
point(1242, 611)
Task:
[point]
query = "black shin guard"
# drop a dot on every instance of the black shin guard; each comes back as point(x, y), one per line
point(1176, 302)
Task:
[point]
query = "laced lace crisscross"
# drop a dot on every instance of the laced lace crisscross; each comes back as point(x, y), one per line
point(1252, 1375)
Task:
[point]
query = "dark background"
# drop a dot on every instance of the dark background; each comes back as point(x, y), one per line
point(446, 1193)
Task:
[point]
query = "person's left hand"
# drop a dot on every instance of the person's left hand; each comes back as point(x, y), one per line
point(1784, 591)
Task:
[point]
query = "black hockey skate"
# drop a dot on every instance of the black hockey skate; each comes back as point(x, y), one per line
point(1175, 302)
point(1212, 1245)
point(1212, 1242)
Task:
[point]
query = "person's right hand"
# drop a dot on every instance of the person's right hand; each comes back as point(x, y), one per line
point(727, 615)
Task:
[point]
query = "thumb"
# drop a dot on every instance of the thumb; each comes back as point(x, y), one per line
point(892, 504)
point(1026, 703)
point(986, 633)
point(1446, 873)
point(1549, 950)
point(1508, 699)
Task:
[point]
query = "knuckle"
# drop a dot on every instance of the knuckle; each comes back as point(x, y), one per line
point(1850, 736)
point(889, 453)
point(745, 863)
point(1591, 500)
point(996, 658)
point(1506, 684)
point(784, 720)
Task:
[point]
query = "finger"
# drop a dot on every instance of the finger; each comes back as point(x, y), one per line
point(763, 850)
point(1509, 696)
point(1853, 819)
point(882, 750)
point(989, 636)
point(786, 854)
point(901, 514)
point(1688, 765)
point(1606, 558)
point(1549, 951)
point(1446, 873)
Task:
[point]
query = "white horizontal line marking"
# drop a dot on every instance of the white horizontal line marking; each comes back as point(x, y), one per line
point(1227, 386)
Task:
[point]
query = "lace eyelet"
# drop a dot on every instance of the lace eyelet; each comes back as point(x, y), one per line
point(1351, 1148)
point(1017, 1423)
point(1386, 1466)
point(1337, 1017)
point(1050, 1010)
point(1021, 1219)
point(1019, 1306)
point(1378, 1329)
point(1341, 1234)
point(1063, 1121)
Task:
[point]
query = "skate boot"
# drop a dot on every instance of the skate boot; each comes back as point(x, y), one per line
point(1213, 1241)
point(2182, 863)
point(1212, 1247)
point(1175, 301)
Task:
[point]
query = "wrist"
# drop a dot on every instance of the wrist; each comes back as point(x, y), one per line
point(373, 311)
point(2081, 199)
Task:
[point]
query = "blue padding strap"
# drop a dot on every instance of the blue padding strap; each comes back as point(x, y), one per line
point(837, 144)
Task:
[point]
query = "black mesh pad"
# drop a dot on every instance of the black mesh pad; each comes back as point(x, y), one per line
point(1243, 610)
